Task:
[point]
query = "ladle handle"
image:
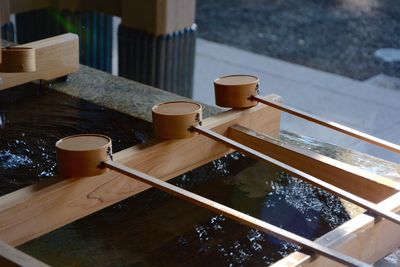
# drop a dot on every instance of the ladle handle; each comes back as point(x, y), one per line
point(330, 124)
point(234, 214)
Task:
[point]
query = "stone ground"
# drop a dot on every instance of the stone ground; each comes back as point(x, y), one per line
point(338, 36)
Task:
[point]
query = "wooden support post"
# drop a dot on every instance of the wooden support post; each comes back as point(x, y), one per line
point(165, 37)
point(31, 212)
point(158, 17)
point(362, 237)
point(369, 186)
point(11, 257)
point(55, 57)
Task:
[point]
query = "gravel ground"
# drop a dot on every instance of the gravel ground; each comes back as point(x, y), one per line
point(338, 36)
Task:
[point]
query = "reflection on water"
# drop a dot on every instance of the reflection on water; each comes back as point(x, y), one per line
point(154, 228)
point(9, 160)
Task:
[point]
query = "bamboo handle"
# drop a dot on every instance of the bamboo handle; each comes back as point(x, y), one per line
point(332, 125)
point(372, 207)
point(234, 214)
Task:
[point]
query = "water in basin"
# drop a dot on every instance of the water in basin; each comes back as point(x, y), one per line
point(154, 228)
point(33, 118)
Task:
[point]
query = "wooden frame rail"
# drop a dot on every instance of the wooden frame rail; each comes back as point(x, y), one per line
point(330, 124)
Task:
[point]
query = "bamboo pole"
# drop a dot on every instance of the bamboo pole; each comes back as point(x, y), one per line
point(329, 124)
point(372, 207)
point(12, 257)
point(234, 214)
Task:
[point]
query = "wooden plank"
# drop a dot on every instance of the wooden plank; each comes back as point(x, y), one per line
point(234, 214)
point(55, 57)
point(330, 124)
point(363, 237)
point(12, 257)
point(158, 17)
point(305, 176)
point(31, 212)
point(362, 183)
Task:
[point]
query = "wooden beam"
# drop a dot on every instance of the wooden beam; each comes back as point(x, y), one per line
point(12, 257)
point(234, 214)
point(158, 17)
point(332, 125)
point(105, 6)
point(19, 6)
point(4, 12)
point(369, 186)
point(55, 57)
point(31, 212)
point(363, 237)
